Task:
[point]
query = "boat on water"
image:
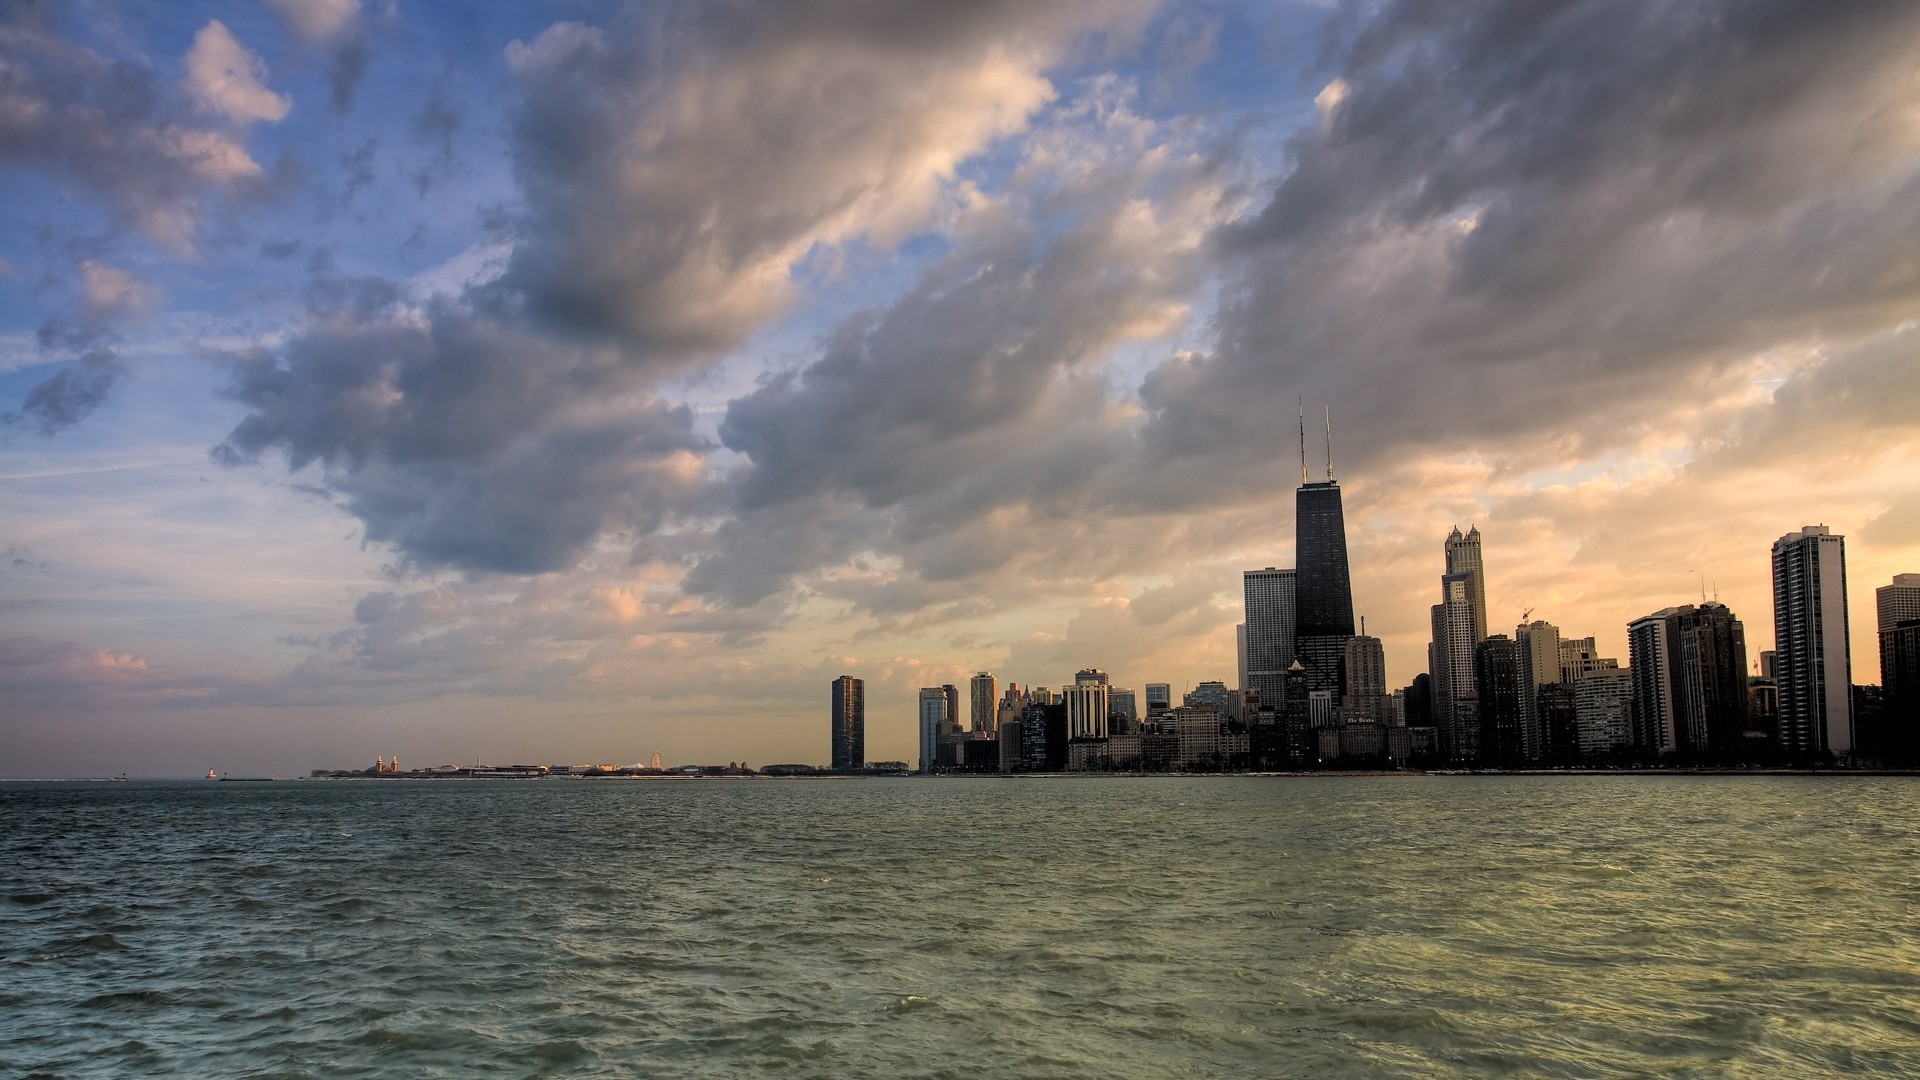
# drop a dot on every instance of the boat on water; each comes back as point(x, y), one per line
point(210, 775)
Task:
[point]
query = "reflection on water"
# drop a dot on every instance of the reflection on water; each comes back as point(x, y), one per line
point(1149, 927)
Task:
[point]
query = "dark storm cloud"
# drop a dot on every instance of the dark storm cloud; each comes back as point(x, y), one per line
point(66, 397)
point(1521, 220)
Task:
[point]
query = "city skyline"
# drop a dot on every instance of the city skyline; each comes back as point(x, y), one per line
point(579, 382)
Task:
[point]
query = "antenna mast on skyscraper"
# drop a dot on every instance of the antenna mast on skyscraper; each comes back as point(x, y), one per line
point(1329, 444)
point(1303, 438)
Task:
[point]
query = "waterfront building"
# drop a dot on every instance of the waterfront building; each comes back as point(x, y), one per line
point(1087, 704)
point(1088, 755)
point(934, 720)
point(1159, 698)
point(1366, 666)
point(1268, 596)
point(1198, 729)
point(1043, 737)
point(1011, 742)
point(1711, 692)
point(1763, 711)
point(1812, 661)
point(1650, 652)
point(1538, 645)
point(1559, 724)
point(849, 723)
point(1321, 709)
point(1603, 712)
point(984, 689)
point(1496, 678)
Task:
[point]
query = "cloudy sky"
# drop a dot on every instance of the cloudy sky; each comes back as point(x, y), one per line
point(574, 381)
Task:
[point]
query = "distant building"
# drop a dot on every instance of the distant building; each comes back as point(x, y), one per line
point(1123, 710)
point(1603, 712)
point(1898, 609)
point(1579, 656)
point(1450, 661)
point(1159, 698)
point(1366, 667)
point(985, 692)
point(1087, 704)
point(934, 721)
point(1496, 672)
point(1269, 597)
point(1812, 664)
point(1650, 653)
point(849, 723)
point(1211, 694)
point(1464, 557)
point(1538, 645)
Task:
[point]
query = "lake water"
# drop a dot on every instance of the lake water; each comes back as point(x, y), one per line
point(1025, 927)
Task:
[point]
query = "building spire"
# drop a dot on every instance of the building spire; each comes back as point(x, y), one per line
point(1303, 439)
point(1329, 444)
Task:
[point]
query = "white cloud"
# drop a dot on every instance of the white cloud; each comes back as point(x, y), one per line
point(317, 21)
point(225, 77)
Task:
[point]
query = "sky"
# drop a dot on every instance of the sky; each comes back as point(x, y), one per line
point(569, 382)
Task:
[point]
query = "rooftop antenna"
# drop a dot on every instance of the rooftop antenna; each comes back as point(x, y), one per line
point(1303, 438)
point(1703, 588)
point(1329, 444)
point(1716, 588)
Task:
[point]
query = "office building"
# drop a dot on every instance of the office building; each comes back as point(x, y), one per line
point(1496, 678)
point(1159, 698)
point(1463, 557)
point(1269, 598)
point(1603, 713)
point(1579, 656)
point(1538, 645)
point(1450, 661)
point(1812, 663)
point(985, 715)
point(935, 720)
point(1650, 657)
point(1087, 705)
point(1366, 700)
point(1323, 589)
point(849, 723)
point(1122, 710)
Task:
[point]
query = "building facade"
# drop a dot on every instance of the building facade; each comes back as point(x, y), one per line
point(1812, 662)
point(984, 690)
point(849, 723)
point(1268, 596)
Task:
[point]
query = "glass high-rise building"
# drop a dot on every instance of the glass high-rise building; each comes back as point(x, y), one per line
point(1812, 662)
point(1323, 588)
point(984, 689)
point(1269, 631)
point(849, 723)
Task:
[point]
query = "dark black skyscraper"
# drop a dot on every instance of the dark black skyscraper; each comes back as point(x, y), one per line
point(1323, 591)
point(849, 722)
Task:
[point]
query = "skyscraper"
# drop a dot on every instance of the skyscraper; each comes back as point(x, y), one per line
point(1323, 589)
point(1894, 604)
point(1812, 664)
point(985, 692)
point(1496, 677)
point(1159, 698)
point(1898, 608)
point(1538, 643)
point(1463, 557)
point(934, 719)
point(1450, 659)
point(849, 723)
point(1269, 596)
point(1366, 699)
point(1650, 655)
point(1087, 705)
point(1710, 692)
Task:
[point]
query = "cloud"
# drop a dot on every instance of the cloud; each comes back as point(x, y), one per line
point(225, 77)
point(677, 168)
point(65, 398)
point(1535, 225)
point(121, 132)
point(317, 21)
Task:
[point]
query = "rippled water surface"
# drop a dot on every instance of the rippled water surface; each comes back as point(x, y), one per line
point(1390, 926)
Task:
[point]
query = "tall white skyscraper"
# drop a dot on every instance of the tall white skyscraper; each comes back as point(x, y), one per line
point(1812, 663)
point(1450, 660)
point(985, 688)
